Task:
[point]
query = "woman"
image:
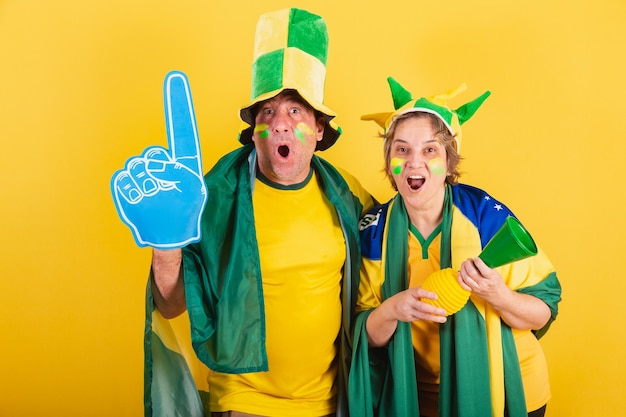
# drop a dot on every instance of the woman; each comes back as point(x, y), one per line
point(481, 361)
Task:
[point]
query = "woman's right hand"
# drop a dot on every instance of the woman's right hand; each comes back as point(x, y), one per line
point(405, 306)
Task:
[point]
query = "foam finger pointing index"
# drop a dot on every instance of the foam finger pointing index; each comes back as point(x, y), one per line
point(180, 118)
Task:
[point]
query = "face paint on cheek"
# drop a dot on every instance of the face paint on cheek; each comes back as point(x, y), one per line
point(436, 166)
point(396, 165)
point(302, 129)
point(299, 134)
point(305, 128)
point(262, 130)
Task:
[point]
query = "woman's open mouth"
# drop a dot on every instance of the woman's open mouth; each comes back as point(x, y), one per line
point(415, 182)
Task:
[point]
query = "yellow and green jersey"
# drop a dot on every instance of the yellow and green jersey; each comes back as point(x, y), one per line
point(474, 362)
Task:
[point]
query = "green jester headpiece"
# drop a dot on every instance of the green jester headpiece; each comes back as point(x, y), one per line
point(437, 105)
point(290, 52)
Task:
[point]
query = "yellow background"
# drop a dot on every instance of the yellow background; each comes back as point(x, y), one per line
point(81, 92)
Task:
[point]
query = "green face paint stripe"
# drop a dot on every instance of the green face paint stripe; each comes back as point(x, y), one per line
point(396, 165)
point(262, 130)
point(299, 134)
point(302, 129)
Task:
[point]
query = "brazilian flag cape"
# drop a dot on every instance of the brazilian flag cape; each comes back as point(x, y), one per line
point(480, 374)
point(223, 290)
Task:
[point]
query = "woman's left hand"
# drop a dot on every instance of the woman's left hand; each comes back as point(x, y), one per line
point(519, 311)
point(477, 277)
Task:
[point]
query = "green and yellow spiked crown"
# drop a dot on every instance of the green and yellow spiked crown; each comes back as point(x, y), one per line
point(437, 105)
point(290, 52)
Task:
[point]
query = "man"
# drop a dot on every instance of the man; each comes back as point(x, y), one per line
point(270, 287)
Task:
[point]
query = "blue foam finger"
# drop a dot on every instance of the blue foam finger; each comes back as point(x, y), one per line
point(180, 121)
point(123, 184)
point(160, 196)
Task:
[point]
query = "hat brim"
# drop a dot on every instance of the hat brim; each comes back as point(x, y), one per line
point(331, 130)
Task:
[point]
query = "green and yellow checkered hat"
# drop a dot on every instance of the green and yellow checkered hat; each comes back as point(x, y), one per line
point(437, 105)
point(290, 52)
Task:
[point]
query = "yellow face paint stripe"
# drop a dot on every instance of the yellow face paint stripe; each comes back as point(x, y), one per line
point(305, 128)
point(436, 166)
point(262, 130)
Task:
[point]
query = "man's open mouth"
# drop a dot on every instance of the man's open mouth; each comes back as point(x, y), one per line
point(283, 150)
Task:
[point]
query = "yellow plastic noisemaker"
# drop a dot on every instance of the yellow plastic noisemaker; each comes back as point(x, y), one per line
point(450, 295)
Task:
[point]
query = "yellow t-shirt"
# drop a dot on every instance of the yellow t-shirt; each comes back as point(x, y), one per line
point(302, 252)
